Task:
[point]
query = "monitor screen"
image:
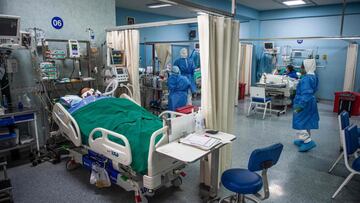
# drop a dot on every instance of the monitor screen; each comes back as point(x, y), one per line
point(8, 27)
point(269, 45)
point(120, 71)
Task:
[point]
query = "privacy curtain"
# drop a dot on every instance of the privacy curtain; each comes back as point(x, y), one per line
point(128, 40)
point(246, 54)
point(163, 52)
point(351, 63)
point(244, 69)
point(238, 76)
point(219, 48)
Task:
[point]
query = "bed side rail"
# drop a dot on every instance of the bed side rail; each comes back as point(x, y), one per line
point(152, 148)
point(170, 114)
point(114, 151)
point(162, 141)
point(67, 124)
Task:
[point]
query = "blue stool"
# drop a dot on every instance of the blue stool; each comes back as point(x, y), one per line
point(247, 181)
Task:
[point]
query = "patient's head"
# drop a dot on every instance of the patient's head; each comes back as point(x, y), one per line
point(86, 91)
point(290, 68)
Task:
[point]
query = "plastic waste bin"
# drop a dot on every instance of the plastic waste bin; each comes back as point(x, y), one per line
point(242, 87)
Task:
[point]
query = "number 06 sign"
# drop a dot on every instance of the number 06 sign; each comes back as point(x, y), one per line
point(57, 22)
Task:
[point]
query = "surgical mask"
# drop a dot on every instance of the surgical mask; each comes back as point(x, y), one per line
point(183, 53)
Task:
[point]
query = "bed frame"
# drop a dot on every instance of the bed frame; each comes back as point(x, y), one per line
point(162, 169)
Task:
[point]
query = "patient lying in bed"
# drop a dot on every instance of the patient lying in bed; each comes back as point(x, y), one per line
point(121, 116)
point(74, 102)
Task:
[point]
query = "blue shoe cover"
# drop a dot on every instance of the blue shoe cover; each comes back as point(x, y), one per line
point(298, 142)
point(307, 146)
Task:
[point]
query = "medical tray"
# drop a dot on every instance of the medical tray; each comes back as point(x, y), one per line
point(6, 121)
point(8, 140)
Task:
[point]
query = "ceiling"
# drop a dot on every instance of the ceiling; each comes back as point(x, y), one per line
point(263, 5)
point(140, 5)
point(181, 12)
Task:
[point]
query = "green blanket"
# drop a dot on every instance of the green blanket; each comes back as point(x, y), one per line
point(124, 117)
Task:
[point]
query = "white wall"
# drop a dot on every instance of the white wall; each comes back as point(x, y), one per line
point(77, 15)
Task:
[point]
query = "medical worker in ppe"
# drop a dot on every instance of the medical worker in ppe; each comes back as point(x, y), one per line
point(306, 115)
point(291, 72)
point(187, 69)
point(178, 86)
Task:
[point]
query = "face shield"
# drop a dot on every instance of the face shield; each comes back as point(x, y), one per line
point(310, 66)
point(183, 53)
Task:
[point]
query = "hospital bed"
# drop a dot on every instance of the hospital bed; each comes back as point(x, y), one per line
point(280, 89)
point(162, 169)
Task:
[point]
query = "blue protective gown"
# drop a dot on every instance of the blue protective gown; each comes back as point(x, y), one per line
point(308, 118)
point(292, 74)
point(187, 69)
point(195, 56)
point(178, 86)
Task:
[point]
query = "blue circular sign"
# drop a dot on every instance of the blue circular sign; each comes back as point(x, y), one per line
point(300, 41)
point(57, 22)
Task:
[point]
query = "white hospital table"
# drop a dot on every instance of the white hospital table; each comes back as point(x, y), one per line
point(189, 154)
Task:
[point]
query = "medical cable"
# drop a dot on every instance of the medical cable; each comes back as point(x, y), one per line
point(73, 70)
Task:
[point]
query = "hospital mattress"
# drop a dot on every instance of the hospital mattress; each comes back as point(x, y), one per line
point(124, 117)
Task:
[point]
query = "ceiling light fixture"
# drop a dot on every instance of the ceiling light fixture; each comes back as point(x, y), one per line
point(158, 5)
point(294, 2)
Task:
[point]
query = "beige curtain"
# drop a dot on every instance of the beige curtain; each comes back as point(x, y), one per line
point(351, 63)
point(244, 68)
point(219, 48)
point(163, 52)
point(128, 40)
point(245, 58)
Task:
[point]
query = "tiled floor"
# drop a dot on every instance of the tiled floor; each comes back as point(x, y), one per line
point(298, 177)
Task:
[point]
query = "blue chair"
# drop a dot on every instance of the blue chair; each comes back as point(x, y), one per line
point(344, 121)
point(351, 146)
point(247, 181)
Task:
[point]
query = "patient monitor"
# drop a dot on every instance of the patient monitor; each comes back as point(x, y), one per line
point(116, 66)
point(9, 30)
point(73, 49)
point(121, 74)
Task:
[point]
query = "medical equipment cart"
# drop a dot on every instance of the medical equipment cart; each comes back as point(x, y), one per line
point(14, 116)
point(83, 76)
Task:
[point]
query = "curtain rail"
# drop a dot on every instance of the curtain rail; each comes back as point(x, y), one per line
point(153, 24)
point(303, 38)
